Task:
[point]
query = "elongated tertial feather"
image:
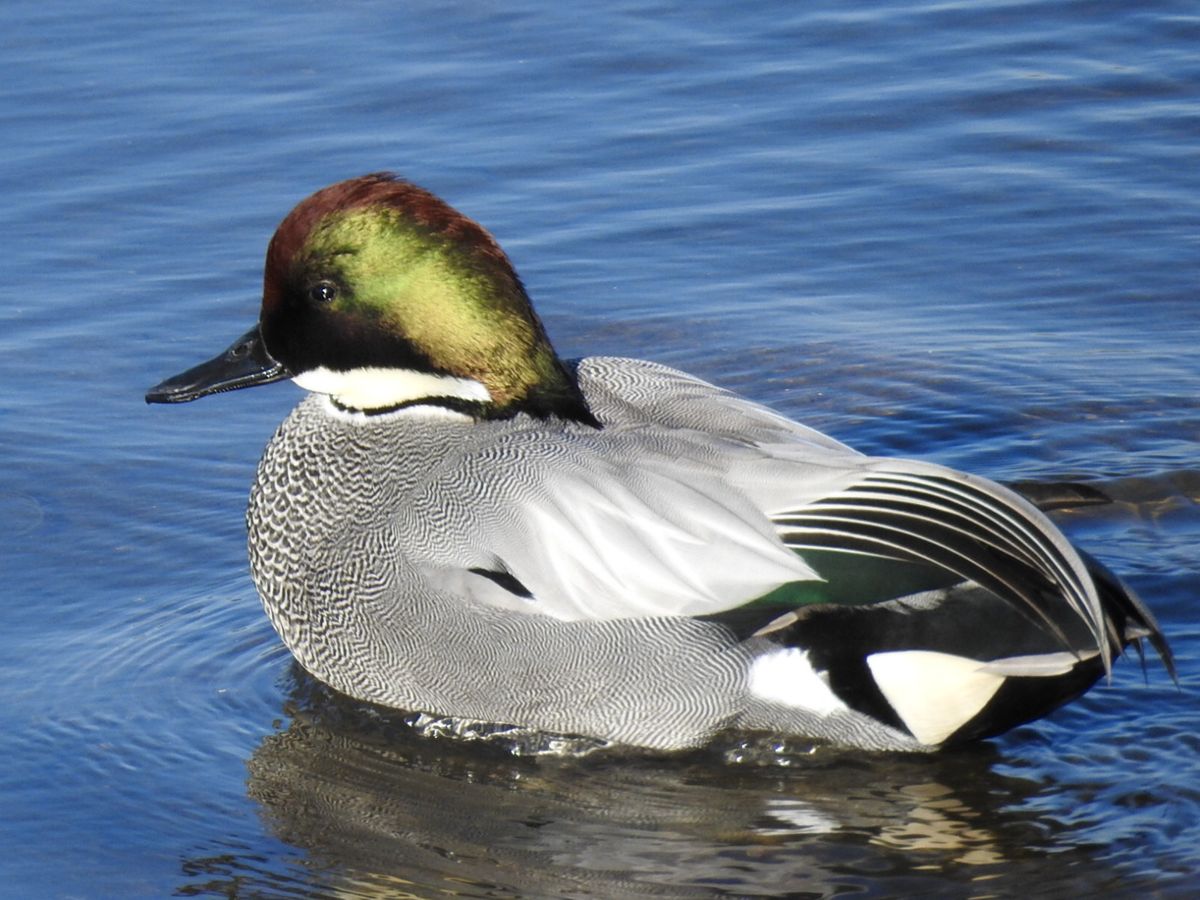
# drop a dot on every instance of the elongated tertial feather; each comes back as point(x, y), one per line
point(969, 526)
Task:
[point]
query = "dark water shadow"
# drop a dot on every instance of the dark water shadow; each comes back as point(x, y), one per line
point(380, 810)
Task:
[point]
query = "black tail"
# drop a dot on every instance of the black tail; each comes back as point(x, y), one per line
point(957, 664)
point(1130, 621)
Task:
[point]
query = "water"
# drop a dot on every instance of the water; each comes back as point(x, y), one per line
point(966, 232)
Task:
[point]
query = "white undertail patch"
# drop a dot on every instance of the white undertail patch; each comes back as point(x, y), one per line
point(377, 388)
point(933, 693)
point(786, 676)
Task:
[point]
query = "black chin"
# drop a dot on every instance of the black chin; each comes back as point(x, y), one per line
point(244, 364)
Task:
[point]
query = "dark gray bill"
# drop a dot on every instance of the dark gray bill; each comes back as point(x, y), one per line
point(245, 364)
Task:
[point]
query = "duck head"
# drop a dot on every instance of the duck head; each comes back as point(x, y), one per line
point(382, 296)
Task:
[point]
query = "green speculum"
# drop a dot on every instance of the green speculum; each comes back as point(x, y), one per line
point(853, 579)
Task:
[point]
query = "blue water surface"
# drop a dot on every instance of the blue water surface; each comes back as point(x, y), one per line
point(968, 232)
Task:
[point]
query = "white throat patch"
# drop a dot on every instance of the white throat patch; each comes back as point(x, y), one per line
point(377, 388)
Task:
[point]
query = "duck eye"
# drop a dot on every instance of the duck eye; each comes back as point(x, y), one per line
point(323, 292)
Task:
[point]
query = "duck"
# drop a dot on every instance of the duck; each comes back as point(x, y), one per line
point(456, 521)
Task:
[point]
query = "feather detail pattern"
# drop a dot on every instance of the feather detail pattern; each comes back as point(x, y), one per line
point(582, 573)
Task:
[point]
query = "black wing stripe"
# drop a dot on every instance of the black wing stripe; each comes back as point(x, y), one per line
point(1024, 591)
point(970, 530)
point(906, 496)
point(1017, 527)
point(986, 529)
point(914, 510)
point(1000, 511)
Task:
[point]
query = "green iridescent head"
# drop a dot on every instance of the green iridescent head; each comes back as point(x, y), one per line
point(379, 293)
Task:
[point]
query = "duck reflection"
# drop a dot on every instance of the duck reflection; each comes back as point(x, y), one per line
point(377, 806)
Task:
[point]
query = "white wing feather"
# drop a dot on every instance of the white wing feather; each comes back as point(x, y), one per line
point(693, 501)
point(607, 525)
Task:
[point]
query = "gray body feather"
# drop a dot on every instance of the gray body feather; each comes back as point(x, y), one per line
point(368, 536)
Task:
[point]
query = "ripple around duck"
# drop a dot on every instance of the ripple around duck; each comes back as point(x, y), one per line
point(217, 642)
point(149, 736)
point(21, 513)
point(375, 804)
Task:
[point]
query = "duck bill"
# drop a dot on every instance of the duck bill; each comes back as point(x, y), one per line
point(245, 364)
